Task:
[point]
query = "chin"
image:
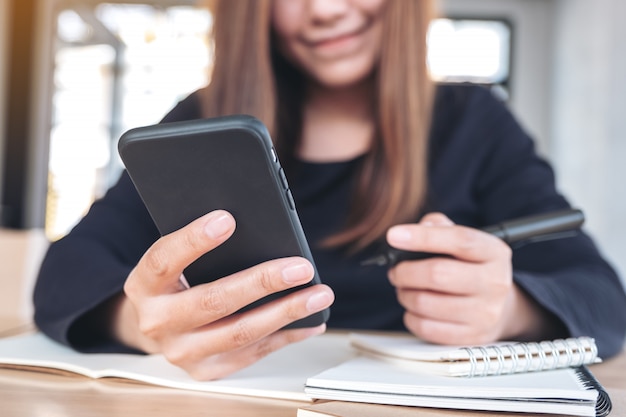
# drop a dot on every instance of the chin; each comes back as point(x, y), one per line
point(339, 76)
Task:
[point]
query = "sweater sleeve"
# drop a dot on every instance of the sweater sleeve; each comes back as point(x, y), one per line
point(90, 264)
point(568, 277)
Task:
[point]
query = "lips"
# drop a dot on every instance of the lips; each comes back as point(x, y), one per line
point(335, 38)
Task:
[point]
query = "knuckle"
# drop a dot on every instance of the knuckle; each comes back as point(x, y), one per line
point(429, 238)
point(263, 348)
point(193, 241)
point(263, 278)
point(421, 302)
point(150, 328)
point(214, 301)
point(242, 333)
point(469, 239)
point(291, 312)
point(156, 260)
point(438, 272)
point(131, 287)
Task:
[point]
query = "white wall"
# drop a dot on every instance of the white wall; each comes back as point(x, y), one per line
point(589, 116)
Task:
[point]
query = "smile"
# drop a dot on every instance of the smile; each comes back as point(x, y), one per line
point(336, 40)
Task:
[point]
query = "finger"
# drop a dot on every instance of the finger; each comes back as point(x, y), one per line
point(160, 268)
point(458, 241)
point(246, 328)
point(209, 302)
point(440, 274)
point(445, 333)
point(439, 306)
point(221, 365)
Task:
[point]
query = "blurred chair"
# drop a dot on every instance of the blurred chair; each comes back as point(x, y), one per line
point(21, 252)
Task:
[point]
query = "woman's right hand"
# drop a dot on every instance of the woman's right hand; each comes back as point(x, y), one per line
point(194, 328)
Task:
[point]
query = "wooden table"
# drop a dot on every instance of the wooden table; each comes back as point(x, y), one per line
point(37, 394)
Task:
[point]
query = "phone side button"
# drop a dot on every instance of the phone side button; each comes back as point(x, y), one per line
point(292, 204)
point(283, 179)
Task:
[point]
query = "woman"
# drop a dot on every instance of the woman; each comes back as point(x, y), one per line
point(374, 152)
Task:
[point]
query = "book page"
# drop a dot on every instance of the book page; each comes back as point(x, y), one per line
point(375, 376)
point(406, 347)
point(281, 374)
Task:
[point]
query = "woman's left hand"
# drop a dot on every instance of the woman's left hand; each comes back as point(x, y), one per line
point(468, 297)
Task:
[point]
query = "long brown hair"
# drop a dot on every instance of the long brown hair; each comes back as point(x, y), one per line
point(250, 77)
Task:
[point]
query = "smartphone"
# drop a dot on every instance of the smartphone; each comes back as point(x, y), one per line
point(183, 170)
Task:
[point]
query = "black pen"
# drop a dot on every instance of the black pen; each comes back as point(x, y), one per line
point(541, 227)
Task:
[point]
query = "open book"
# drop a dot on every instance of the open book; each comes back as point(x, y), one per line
point(468, 361)
point(279, 375)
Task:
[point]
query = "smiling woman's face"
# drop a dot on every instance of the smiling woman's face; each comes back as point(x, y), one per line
point(336, 42)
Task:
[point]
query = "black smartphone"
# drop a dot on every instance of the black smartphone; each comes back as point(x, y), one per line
point(183, 170)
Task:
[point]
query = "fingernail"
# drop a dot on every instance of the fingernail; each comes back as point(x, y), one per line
point(297, 272)
point(319, 301)
point(218, 226)
point(399, 234)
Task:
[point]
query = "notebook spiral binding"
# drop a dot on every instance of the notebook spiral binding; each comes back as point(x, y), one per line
point(531, 356)
point(603, 403)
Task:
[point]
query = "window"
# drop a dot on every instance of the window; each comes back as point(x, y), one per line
point(471, 50)
point(117, 66)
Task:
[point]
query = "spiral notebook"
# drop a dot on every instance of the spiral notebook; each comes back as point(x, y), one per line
point(566, 391)
point(470, 361)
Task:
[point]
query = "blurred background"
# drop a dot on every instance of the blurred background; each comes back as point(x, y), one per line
point(75, 74)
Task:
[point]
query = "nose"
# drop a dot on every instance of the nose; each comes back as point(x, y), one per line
point(327, 10)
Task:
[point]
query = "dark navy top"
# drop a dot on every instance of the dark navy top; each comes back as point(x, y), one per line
point(483, 169)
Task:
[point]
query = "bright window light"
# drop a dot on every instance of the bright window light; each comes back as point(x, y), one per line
point(117, 66)
point(469, 50)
